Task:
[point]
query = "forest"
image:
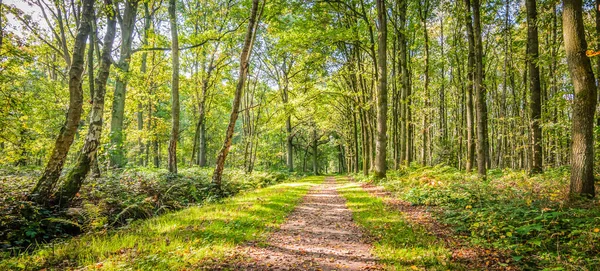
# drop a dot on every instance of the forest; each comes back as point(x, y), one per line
point(299, 135)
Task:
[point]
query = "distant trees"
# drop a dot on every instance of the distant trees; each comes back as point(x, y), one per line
point(360, 86)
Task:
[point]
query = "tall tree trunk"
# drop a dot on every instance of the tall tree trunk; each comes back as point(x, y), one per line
point(77, 175)
point(95, 168)
point(470, 86)
point(482, 125)
point(443, 125)
point(43, 189)
point(381, 143)
point(140, 113)
point(244, 65)
point(423, 14)
point(172, 158)
point(117, 156)
point(535, 103)
point(584, 103)
point(405, 84)
point(598, 58)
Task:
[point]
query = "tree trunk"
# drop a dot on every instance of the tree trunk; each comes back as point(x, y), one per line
point(43, 189)
point(381, 143)
point(535, 103)
point(244, 65)
point(480, 102)
point(77, 175)
point(470, 83)
point(356, 149)
point(172, 158)
point(584, 103)
point(423, 13)
point(140, 113)
point(117, 156)
point(95, 168)
point(406, 129)
point(315, 146)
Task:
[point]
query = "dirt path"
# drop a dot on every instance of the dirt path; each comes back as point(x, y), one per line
point(318, 235)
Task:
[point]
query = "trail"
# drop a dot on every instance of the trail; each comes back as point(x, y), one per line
point(318, 235)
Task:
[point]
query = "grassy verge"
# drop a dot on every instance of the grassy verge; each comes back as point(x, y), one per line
point(193, 238)
point(398, 244)
point(528, 216)
point(111, 201)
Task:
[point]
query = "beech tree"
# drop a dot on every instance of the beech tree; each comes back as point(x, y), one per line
point(584, 102)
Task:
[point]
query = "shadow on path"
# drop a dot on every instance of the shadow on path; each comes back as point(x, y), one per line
point(318, 235)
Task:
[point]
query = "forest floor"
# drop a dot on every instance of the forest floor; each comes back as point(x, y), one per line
point(336, 224)
point(319, 235)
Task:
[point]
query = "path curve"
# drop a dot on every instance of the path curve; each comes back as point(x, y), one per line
point(318, 235)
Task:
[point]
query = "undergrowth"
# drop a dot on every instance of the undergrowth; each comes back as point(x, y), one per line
point(114, 200)
point(199, 237)
point(529, 216)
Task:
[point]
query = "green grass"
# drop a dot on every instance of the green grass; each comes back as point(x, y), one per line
point(528, 216)
point(397, 243)
point(192, 238)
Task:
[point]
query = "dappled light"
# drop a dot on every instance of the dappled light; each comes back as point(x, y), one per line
point(299, 135)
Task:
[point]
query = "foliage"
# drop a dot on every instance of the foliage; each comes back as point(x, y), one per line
point(510, 210)
point(115, 200)
point(199, 237)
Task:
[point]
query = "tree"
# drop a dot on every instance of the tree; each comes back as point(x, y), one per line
point(480, 92)
point(584, 101)
point(44, 187)
point(174, 89)
point(381, 143)
point(535, 102)
point(243, 72)
point(127, 24)
point(87, 155)
point(470, 86)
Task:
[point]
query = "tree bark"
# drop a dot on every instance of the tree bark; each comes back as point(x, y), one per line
point(143, 68)
point(116, 153)
point(406, 88)
point(172, 157)
point(423, 14)
point(77, 175)
point(535, 102)
point(42, 192)
point(470, 86)
point(480, 101)
point(584, 102)
point(381, 143)
point(244, 65)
